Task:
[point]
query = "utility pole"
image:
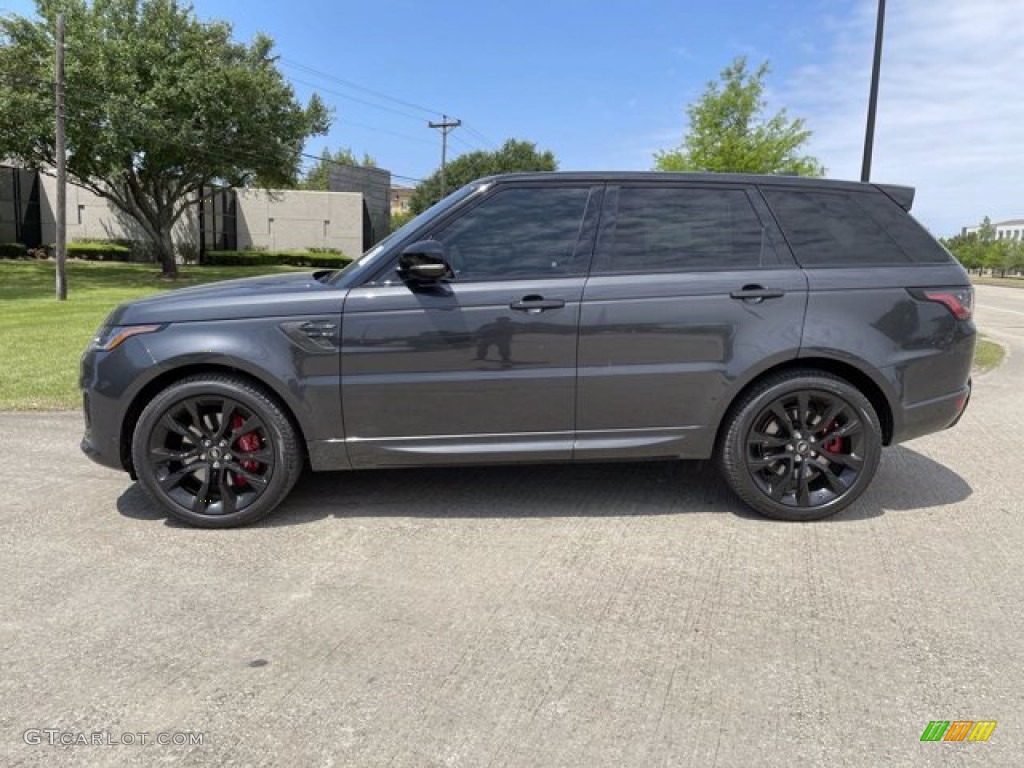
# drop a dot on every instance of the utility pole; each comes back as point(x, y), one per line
point(446, 126)
point(869, 136)
point(62, 177)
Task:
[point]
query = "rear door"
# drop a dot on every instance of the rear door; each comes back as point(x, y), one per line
point(481, 367)
point(691, 290)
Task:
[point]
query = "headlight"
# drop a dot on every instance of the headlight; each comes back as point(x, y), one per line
point(110, 336)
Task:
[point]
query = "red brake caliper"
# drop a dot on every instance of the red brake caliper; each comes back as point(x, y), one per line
point(832, 444)
point(248, 442)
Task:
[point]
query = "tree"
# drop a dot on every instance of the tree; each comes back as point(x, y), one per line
point(968, 250)
point(513, 156)
point(729, 131)
point(158, 105)
point(319, 173)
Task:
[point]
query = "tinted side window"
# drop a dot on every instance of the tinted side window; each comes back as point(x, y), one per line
point(910, 236)
point(830, 229)
point(661, 229)
point(518, 233)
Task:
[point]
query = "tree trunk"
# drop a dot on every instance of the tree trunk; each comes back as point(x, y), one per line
point(165, 250)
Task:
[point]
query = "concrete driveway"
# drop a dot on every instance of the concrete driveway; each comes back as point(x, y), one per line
point(609, 615)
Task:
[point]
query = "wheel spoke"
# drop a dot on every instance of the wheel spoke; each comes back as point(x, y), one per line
point(228, 497)
point(768, 441)
point(193, 411)
point(170, 423)
point(784, 485)
point(164, 455)
point(263, 455)
point(250, 424)
point(782, 417)
point(763, 461)
point(227, 410)
point(850, 460)
point(803, 493)
point(831, 414)
point(243, 472)
point(835, 483)
point(852, 427)
point(803, 406)
point(202, 499)
point(173, 480)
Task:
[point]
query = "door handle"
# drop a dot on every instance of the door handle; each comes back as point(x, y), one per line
point(755, 294)
point(536, 304)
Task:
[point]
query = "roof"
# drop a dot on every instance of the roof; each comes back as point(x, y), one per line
point(902, 195)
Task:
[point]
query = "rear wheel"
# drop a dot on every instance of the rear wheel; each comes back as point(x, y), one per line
point(216, 451)
point(801, 445)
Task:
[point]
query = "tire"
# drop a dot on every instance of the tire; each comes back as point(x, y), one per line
point(216, 451)
point(800, 445)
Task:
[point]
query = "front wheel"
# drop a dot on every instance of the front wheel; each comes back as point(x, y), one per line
point(216, 451)
point(801, 445)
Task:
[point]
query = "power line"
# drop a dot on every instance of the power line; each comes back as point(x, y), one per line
point(361, 88)
point(213, 152)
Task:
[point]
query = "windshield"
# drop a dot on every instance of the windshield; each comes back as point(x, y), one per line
point(406, 229)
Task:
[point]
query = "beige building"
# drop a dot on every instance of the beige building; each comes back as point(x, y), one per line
point(297, 219)
point(400, 198)
point(278, 220)
point(1011, 229)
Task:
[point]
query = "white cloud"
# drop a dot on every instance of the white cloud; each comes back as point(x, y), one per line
point(951, 105)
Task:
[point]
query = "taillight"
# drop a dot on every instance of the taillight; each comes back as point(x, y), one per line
point(959, 301)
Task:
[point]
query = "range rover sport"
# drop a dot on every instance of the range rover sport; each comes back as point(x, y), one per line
point(788, 328)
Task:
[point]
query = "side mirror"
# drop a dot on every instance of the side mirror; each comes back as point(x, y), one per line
point(424, 261)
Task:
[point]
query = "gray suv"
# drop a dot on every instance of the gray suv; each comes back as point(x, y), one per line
point(786, 327)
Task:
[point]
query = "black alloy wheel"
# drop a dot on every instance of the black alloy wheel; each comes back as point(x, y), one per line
point(801, 446)
point(215, 451)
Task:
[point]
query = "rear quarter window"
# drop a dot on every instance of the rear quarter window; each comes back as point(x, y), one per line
point(838, 228)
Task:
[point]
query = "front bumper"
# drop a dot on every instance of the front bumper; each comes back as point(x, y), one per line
point(109, 381)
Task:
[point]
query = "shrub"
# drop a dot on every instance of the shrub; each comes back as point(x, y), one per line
point(293, 258)
point(12, 251)
point(94, 250)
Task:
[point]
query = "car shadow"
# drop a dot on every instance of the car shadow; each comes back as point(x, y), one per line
point(906, 481)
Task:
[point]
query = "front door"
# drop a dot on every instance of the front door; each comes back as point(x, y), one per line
point(480, 367)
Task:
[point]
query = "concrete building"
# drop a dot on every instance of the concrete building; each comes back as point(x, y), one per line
point(1011, 229)
point(226, 219)
point(298, 219)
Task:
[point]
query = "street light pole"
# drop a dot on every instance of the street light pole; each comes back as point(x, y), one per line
point(62, 178)
point(869, 135)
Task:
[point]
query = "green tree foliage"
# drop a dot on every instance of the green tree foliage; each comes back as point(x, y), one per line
point(513, 156)
point(158, 104)
point(730, 133)
point(982, 250)
point(319, 173)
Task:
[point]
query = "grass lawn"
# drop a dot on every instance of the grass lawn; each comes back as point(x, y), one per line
point(1010, 282)
point(987, 355)
point(42, 339)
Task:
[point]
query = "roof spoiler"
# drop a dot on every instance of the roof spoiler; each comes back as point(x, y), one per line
point(902, 196)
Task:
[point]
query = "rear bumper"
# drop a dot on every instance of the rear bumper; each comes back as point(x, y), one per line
point(932, 415)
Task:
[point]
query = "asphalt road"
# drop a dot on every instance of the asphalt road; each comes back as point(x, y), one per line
point(609, 615)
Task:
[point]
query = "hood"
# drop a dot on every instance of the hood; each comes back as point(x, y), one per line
point(293, 293)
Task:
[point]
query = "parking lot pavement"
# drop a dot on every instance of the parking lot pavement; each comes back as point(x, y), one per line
point(600, 615)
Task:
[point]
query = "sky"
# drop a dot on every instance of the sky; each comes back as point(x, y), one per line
point(605, 83)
